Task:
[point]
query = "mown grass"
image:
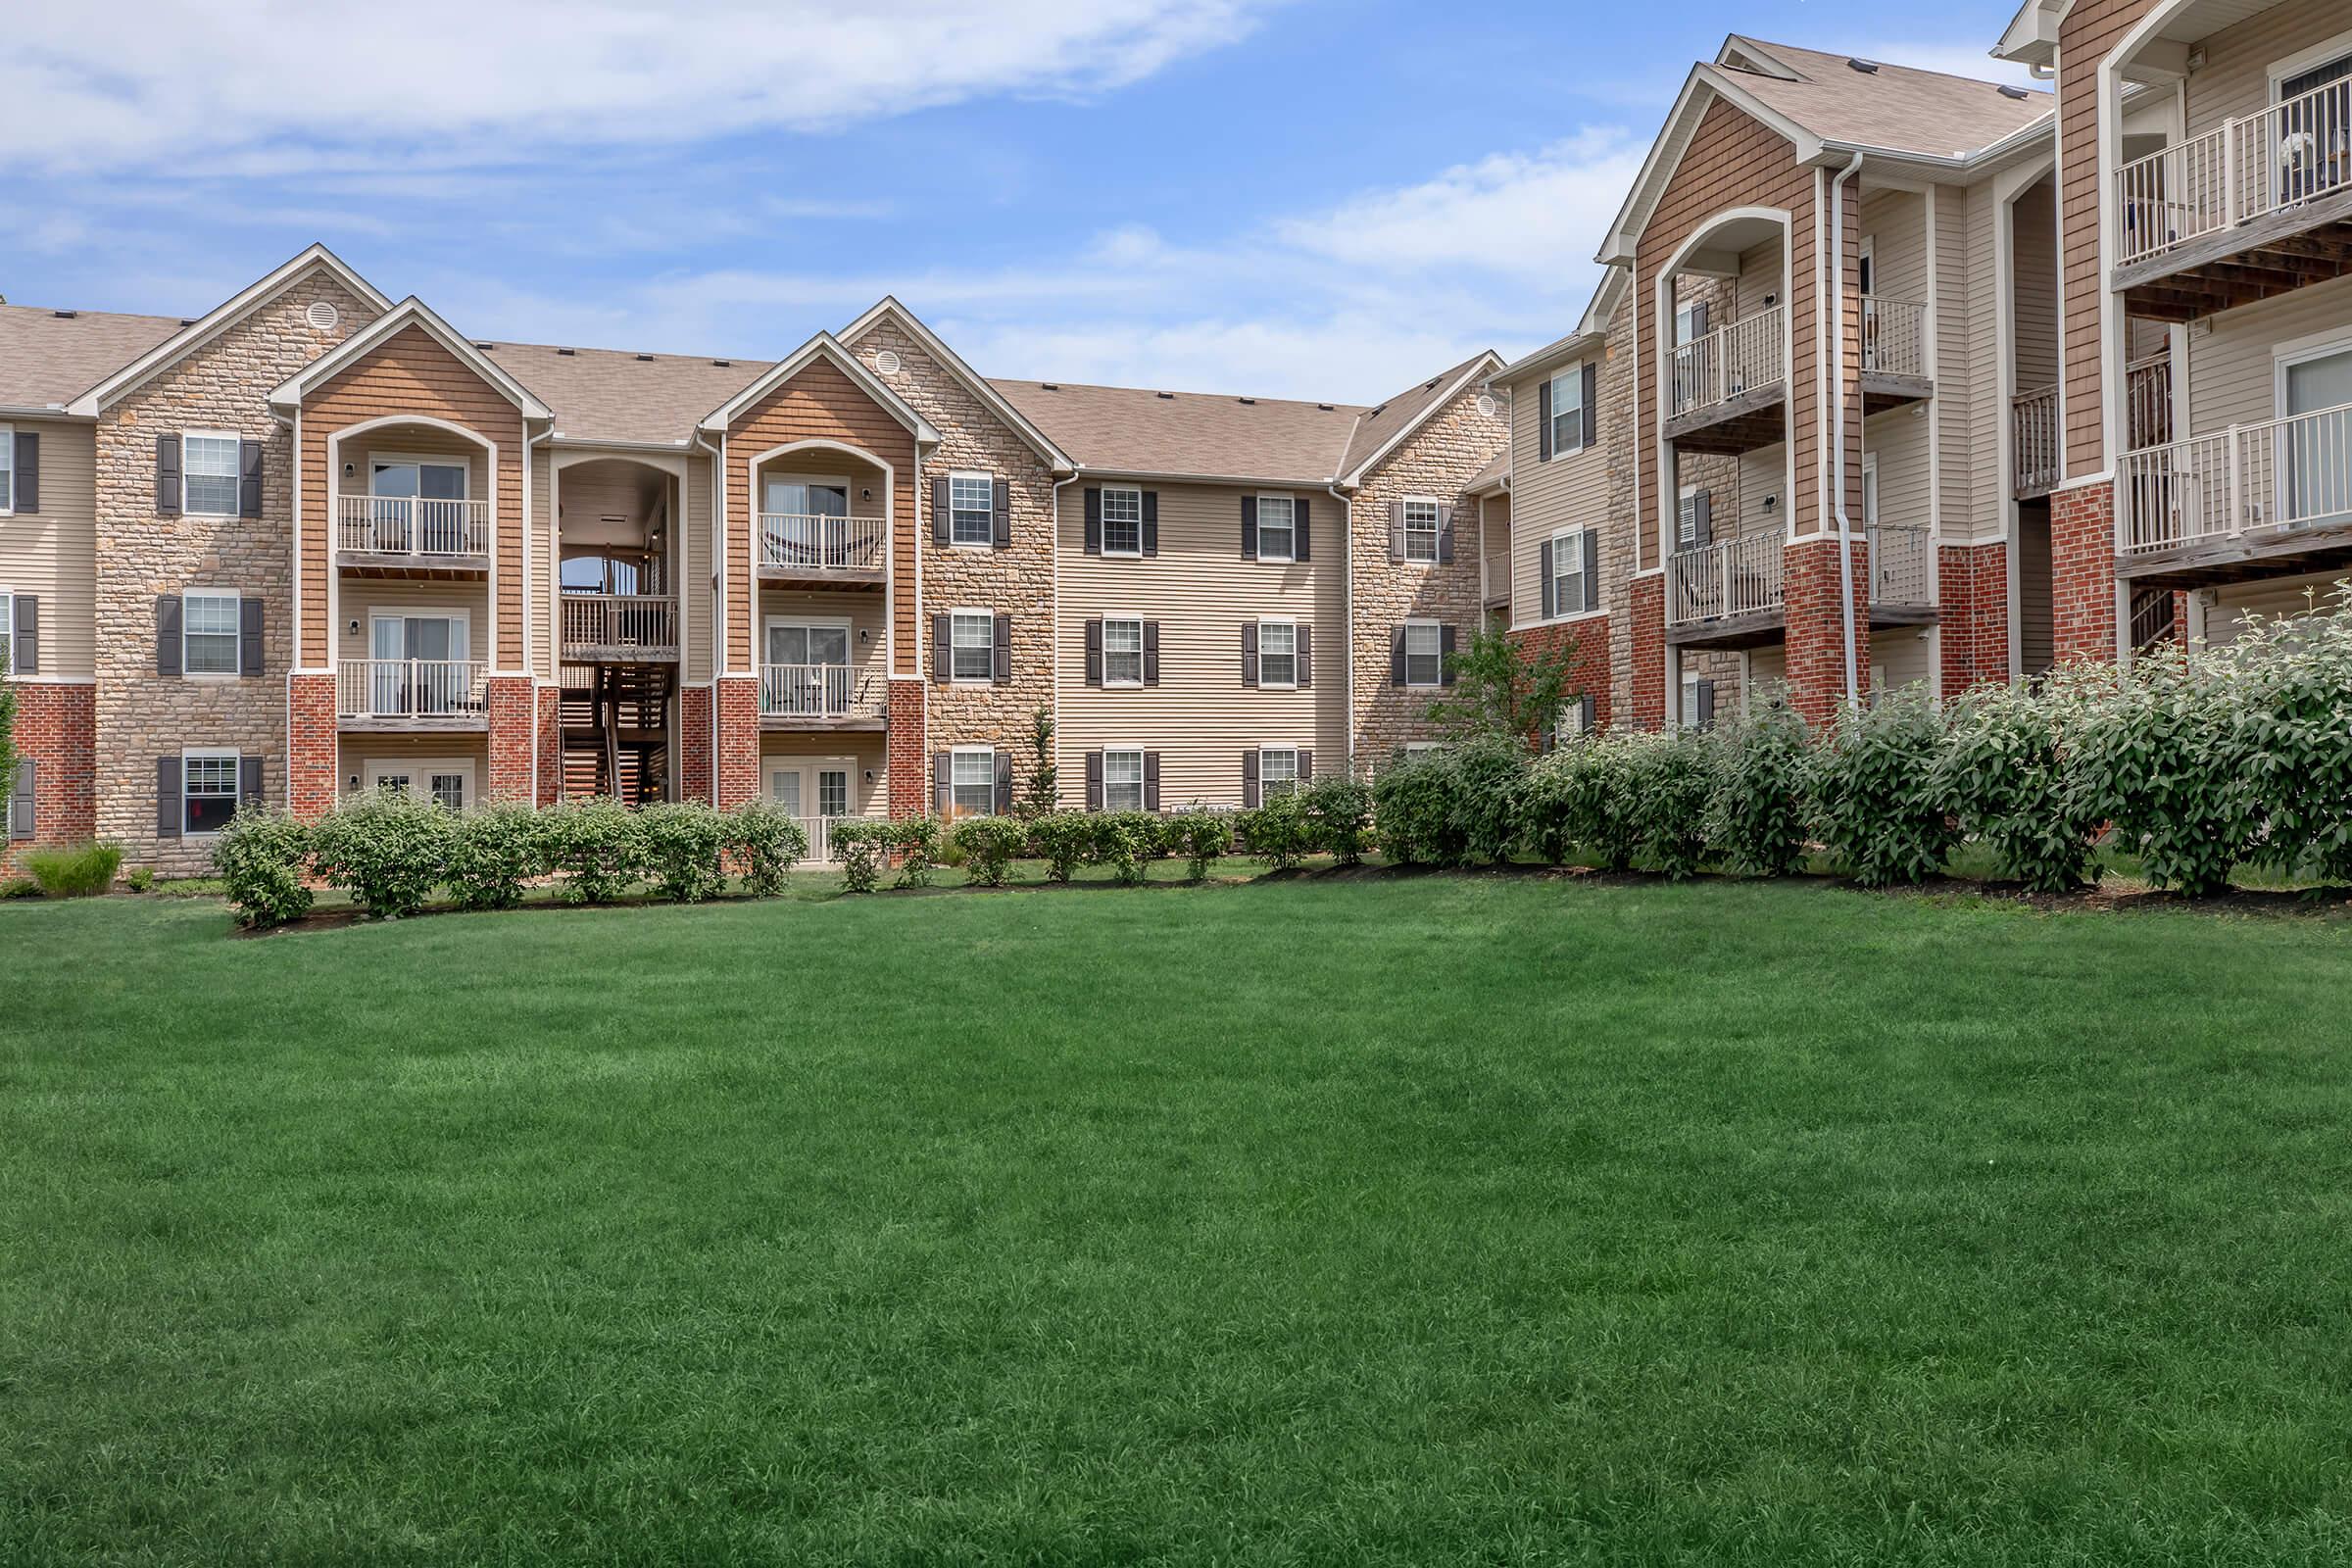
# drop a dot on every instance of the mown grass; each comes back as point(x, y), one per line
point(1391, 1221)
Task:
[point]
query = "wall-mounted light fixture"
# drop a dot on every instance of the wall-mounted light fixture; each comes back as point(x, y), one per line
point(350, 468)
point(355, 625)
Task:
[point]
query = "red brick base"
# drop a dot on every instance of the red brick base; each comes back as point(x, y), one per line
point(57, 729)
point(2083, 573)
point(312, 746)
point(910, 767)
point(1648, 614)
point(1588, 645)
point(737, 698)
point(1814, 597)
point(694, 743)
point(551, 745)
point(1973, 584)
point(513, 704)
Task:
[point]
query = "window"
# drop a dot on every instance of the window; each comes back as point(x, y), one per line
point(1568, 573)
point(7, 623)
point(1123, 522)
point(1686, 323)
point(1866, 266)
point(1420, 530)
point(449, 789)
point(973, 641)
point(1275, 539)
point(1122, 653)
point(972, 509)
point(973, 782)
point(1423, 661)
point(209, 476)
point(1278, 770)
point(446, 781)
point(1685, 520)
point(8, 471)
point(1277, 652)
point(208, 790)
point(1870, 490)
point(833, 791)
point(1568, 410)
point(208, 638)
point(1122, 781)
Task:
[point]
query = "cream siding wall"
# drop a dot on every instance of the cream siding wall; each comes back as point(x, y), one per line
point(1952, 413)
point(1899, 657)
point(1199, 718)
point(1760, 273)
point(2225, 618)
point(1899, 441)
point(2035, 286)
point(2231, 369)
point(1896, 222)
point(863, 610)
point(2234, 80)
point(364, 598)
point(695, 579)
point(1978, 436)
point(1571, 491)
point(1763, 473)
point(52, 552)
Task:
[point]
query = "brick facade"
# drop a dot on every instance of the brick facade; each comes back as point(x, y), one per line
point(1972, 585)
point(1588, 643)
point(909, 766)
point(1646, 611)
point(312, 756)
point(513, 703)
point(2083, 589)
point(57, 729)
point(695, 744)
point(737, 698)
point(1815, 598)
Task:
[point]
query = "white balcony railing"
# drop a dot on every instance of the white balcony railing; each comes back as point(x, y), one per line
point(797, 541)
point(410, 688)
point(2241, 169)
point(641, 623)
point(1902, 564)
point(1734, 577)
point(819, 831)
point(1894, 337)
point(2294, 473)
point(821, 692)
point(2033, 440)
point(412, 526)
point(1730, 359)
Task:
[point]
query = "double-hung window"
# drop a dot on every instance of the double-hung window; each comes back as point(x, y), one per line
point(1420, 530)
point(1278, 770)
point(8, 471)
point(1122, 653)
point(8, 622)
point(208, 790)
point(1122, 522)
point(209, 474)
point(1122, 781)
point(1568, 573)
point(1277, 539)
point(974, 644)
point(1424, 662)
point(971, 509)
point(1277, 652)
point(973, 781)
point(1685, 519)
point(1568, 411)
point(209, 634)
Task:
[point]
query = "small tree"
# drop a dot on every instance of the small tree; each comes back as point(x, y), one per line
point(1501, 689)
point(1042, 772)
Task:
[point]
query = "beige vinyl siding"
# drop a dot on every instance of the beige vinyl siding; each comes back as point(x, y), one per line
point(2232, 375)
point(540, 552)
point(1495, 539)
point(1759, 274)
point(1899, 657)
point(863, 610)
point(1762, 473)
point(364, 597)
point(1199, 717)
point(1768, 666)
point(2034, 290)
point(2235, 78)
point(52, 552)
point(1953, 413)
point(1896, 222)
point(2225, 616)
point(1898, 440)
point(1570, 492)
point(1971, 463)
point(356, 751)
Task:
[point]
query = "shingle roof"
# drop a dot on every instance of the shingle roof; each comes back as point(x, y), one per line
point(47, 358)
point(1380, 426)
point(1497, 469)
point(1899, 108)
point(613, 395)
point(1136, 430)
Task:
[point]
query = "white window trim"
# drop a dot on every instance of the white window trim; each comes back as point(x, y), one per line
point(380, 612)
point(1263, 622)
point(237, 595)
point(989, 482)
point(1264, 781)
point(418, 767)
point(187, 469)
point(1135, 684)
point(989, 752)
point(1574, 375)
point(426, 460)
point(2303, 59)
point(1686, 314)
point(8, 627)
point(774, 762)
point(1574, 538)
point(8, 460)
point(1870, 489)
point(2324, 345)
point(841, 482)
point(1436, 531)
point(1416, 748)
point(1142, 765)
point(1137, 491)
point(770, 622)
point(959, 612)
point(1438, 634)
point(1291, 554)
point(189, 753)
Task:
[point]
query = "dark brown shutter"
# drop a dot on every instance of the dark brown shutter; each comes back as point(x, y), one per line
point(1444, 537)
point(1551, 588)
point(23, 817)
point(942, 515)
point(248, 636)
point(1248, 527)
point(1544, 419)
point(1004, 658)
point(1591, 393)
point(1094, 653)
point(1586, 714)
point(1445, 656)
point(1298, 549)
point(1150, 523)
point(1150, 781)
point(1396, 530)
point(943, 651)
point(1249, 653)
point(1093, 781)
point(1706, 704)
point(1591, 570)
point(249, 781)
point(1702, 518)
point(167, 476)
point(1698, 320)
point(1306, 768)
point(26, 658)
point(1151, 653)
point(166, 635)
point(1250, 780)
point(1396, 656)
point(248, 478)
point(28, 472)
point(1003, 802)
point(167, 797)
point(1002, 498)
point(1094, 522)
point(943, 783)
point(1307, 655)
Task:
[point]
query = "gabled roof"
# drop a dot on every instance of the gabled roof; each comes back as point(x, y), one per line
point(409, 313)
point(824, 346)
point(1136, 431)
point(1380, 433)
point(1496, 475)
point(2032, 36)
point(220, 319)
point(48, 358)
point(888, 309)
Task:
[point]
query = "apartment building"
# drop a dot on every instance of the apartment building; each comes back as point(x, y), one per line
point(317, 541)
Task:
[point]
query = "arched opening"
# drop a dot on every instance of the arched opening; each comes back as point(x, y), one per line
point(618, 535)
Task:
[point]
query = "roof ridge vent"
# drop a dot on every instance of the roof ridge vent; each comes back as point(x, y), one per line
point(1170, 395)
point(1250, 402)
point(1431, 385)
point(645, 358)
point(2010, 90)
point(568, 353)
point(1325, 406)
point(725, 365)
point(1868, 68)
point(65, 316)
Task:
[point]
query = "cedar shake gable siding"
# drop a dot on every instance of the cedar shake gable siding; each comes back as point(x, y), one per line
point(2090, 30)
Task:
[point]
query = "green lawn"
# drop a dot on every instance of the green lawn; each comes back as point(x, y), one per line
point(1380, 1220)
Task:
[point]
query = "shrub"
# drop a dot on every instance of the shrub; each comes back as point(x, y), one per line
point(1063, 840)
point(916, 839)
point(1671, 777)
point(493, 852)
point(1281, 833)
point(1125, 840)
point(1201, 838)
point(1413, 810)
point(75, 871)
point(597, 847)
point(140, 879)
point(387, 850)
point(1485, 776)
point(261, 857)
point(1341, 807)
point(860, 845)
point(764, 842)
point(1871, 791)
point(19, 887)
point(1757, 819)
point(1579, 799)
point(989, 846)
point(685, 849)
point(2160, 753)
point(2004, 775)
point(2296, 733)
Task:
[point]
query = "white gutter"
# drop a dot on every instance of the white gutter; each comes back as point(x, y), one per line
point(719, 601)
point(1846, 523)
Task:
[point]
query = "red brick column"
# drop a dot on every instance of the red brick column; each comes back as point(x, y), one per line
point(2083, 571)
point(909, 766)
point(551, 745)
point(695, 743)
point(1973, 584)
point(1648, 614)
point(1814, 598)
point(57, 729)
point(313, 752)
point(1589, 661)
point(513, 708)
point(737, 701)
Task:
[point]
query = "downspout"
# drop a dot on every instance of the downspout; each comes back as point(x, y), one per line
point(530, 607)
point(1076, 474)
point(1347, 601)
point(719, 601)
point(1846, 523)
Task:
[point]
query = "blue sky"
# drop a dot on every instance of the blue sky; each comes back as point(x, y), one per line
point(1289, 197)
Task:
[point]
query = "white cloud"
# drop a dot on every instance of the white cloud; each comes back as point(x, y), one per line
point(341, 86)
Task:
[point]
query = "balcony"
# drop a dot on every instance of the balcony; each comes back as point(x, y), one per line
point(1498, 577)
point(1731, 595)
point(814, 550)
point(2252, 501)
point(1725, 389)
point(410, 694)
point(2252, 208)
point(821, 697)
point(620, 628)
point(2034, 443)
point(413, 535)
point(1895, 353)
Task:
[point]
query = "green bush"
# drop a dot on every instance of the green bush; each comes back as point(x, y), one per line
point(1126, 841)
point(19, 887)
point(916, 839)
point(387, 850)
point(685, 850)
point(764, 844)
point(1063, 840)
point(140, 879)
point(494, 851)
point(861, 845)
point(75, 871)
point(1281, 833)
point(1203, 838)
point(2161, 752)
point(1757, 819)
point(989, 846)
point(1871, 793)
point(2295, 731)
point(597, 848)
point(1487, 774)
point(1341, 807)
point(260, 857)
point(2006, 776)
point(1413, 810)
point(1580, 799)
point(1672, 777)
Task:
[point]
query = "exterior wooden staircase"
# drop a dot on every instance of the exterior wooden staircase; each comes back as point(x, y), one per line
point(615, 722)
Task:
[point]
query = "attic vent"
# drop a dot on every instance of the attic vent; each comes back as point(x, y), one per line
point(65, 316)
point(723, 363)
point(568, 353)
point(321, 314)
point(1867, 68)
point(1250, 402)
point(887, 361)
point(1430, 385)
point(2008, 91)
point(1325, 406)
point(485, 347)
point(1051, 386)
point(187, 321)
point(1170, 395)
point(645, 358)
point(1486, 405)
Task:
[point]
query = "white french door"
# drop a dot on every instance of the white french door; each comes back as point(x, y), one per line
point(2319, 455)
point(410, 672)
